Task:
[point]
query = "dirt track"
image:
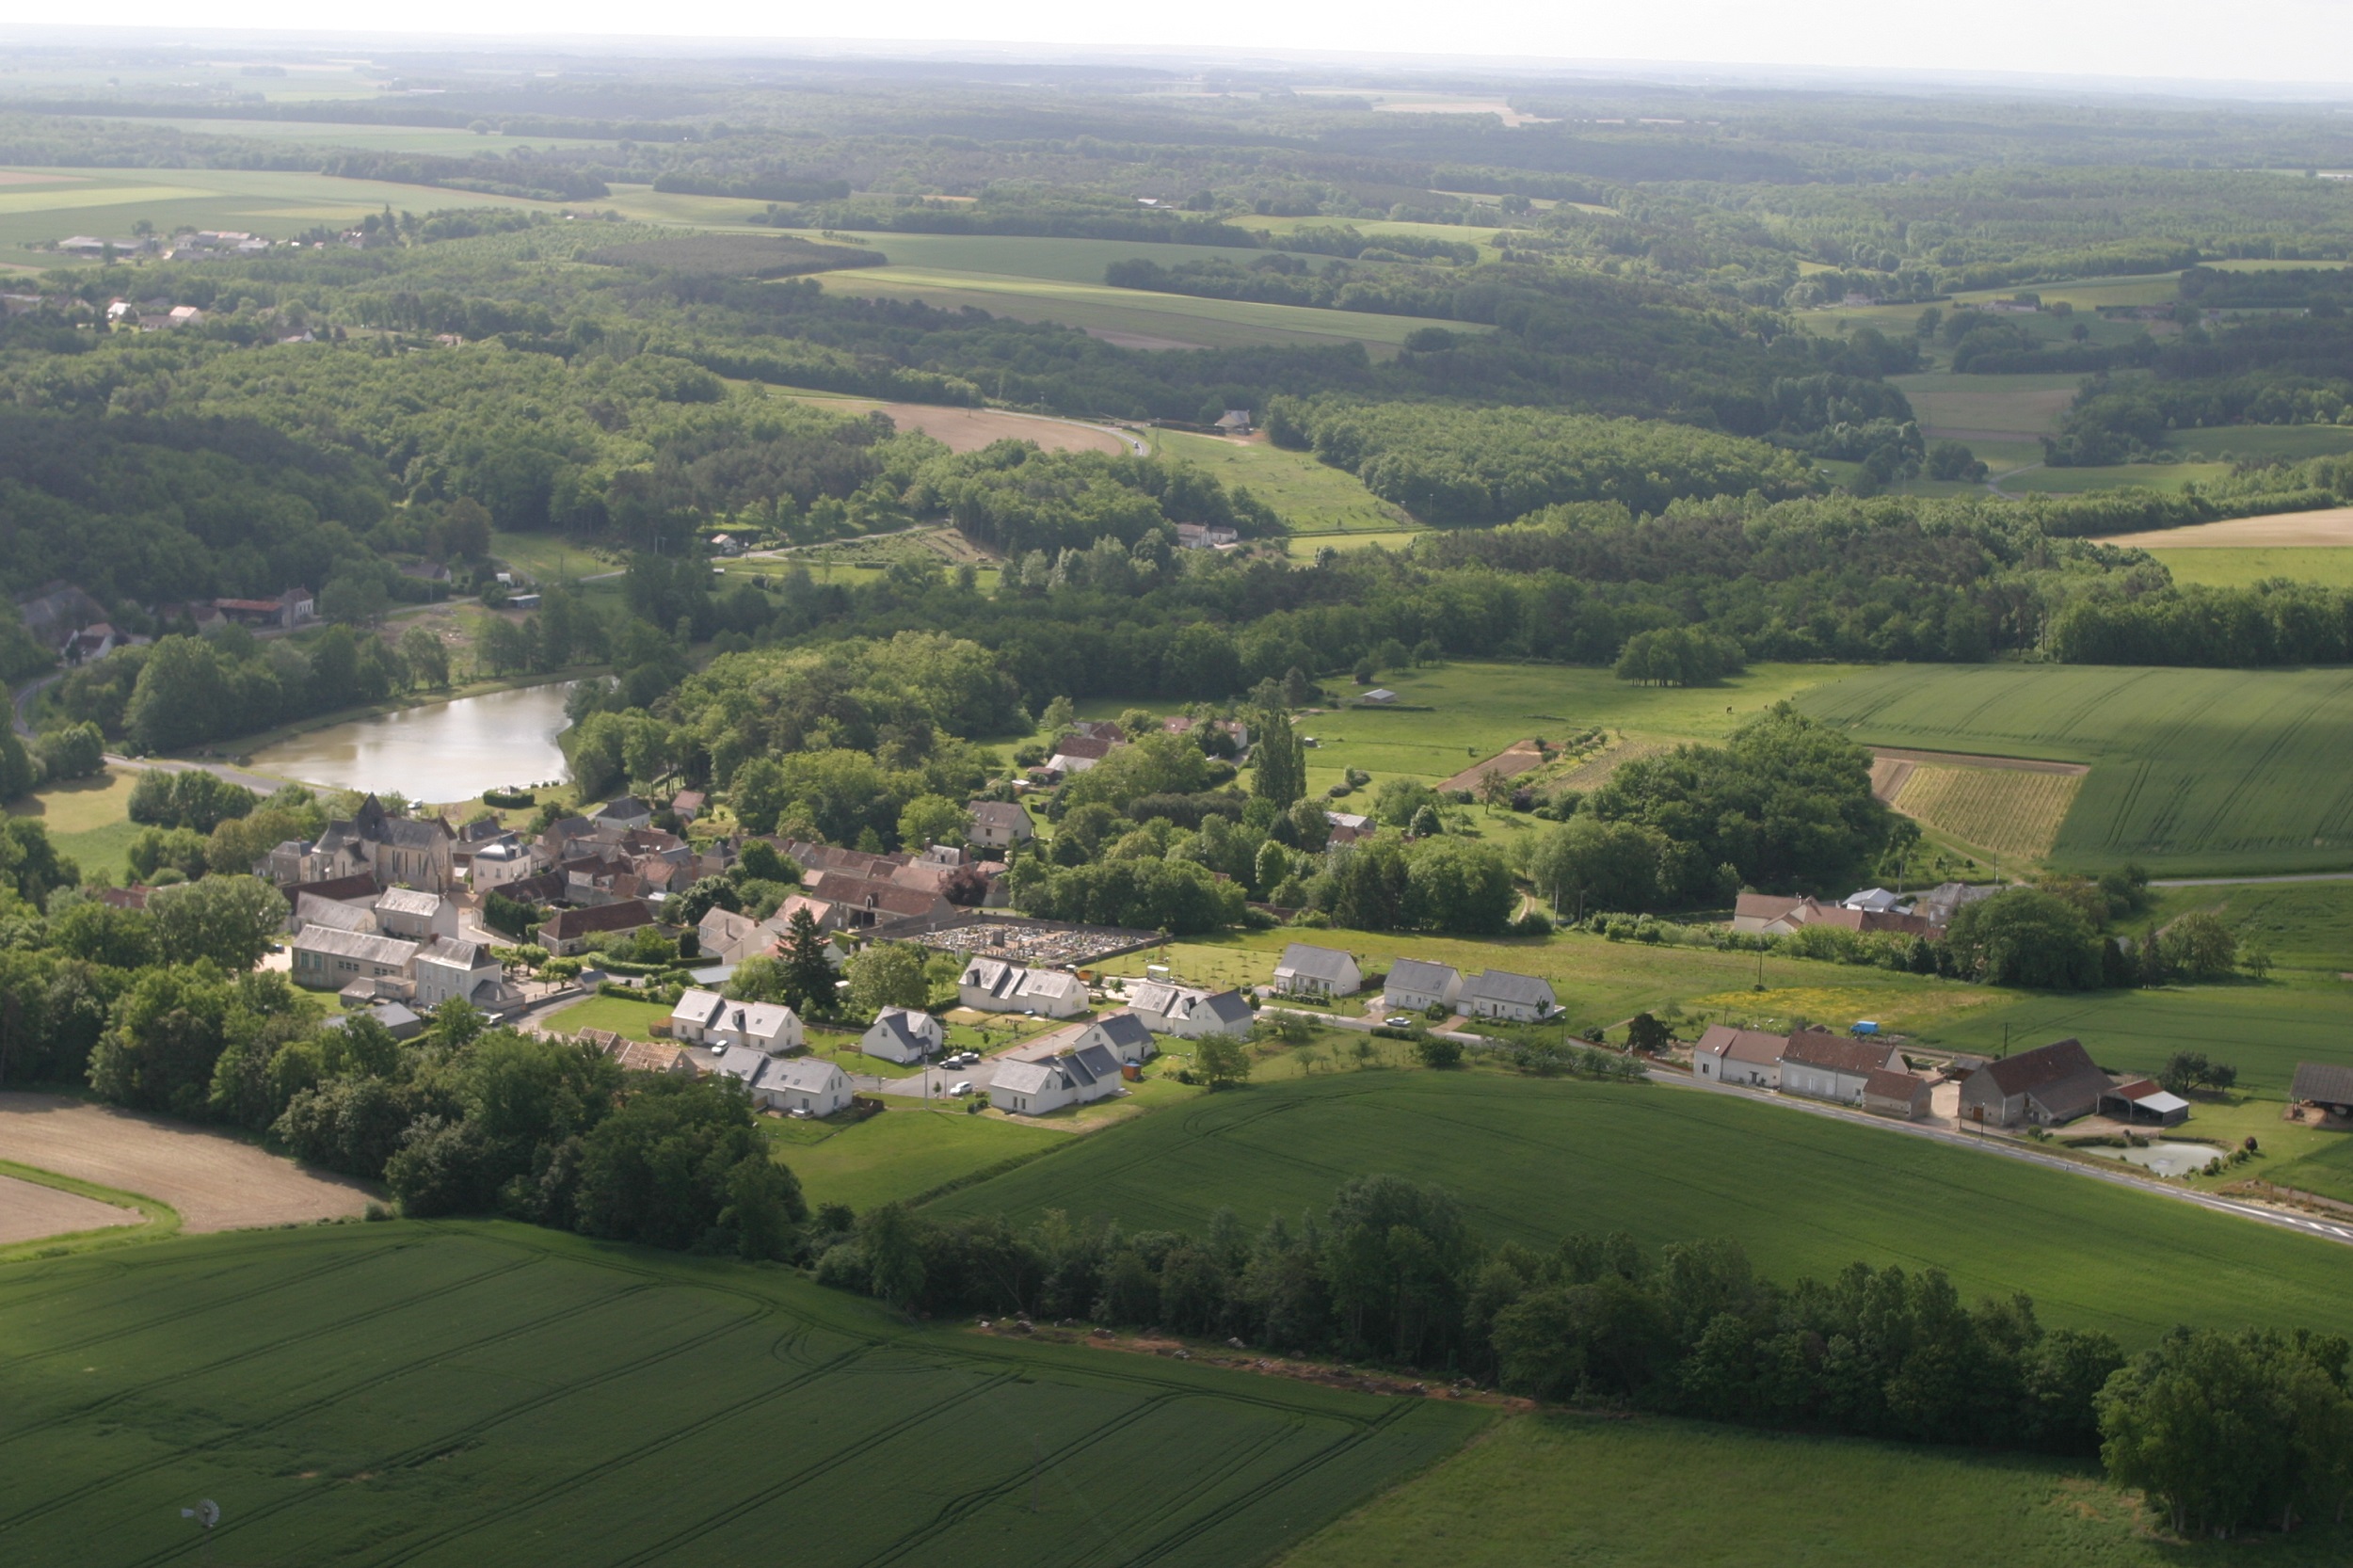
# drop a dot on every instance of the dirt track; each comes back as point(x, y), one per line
point(216, 1182)
point(2281, 530)
point(29, 1211)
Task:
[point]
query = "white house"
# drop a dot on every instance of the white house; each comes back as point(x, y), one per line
point(993, 985)
point(1313, 972)
point(414, 915)
point(903, 1035)
point(1416, 984)
point(1822, 1065)
point(998, 824)
point(1500, 993)
point(1188, 1013)
point(503, 862)
point(802, 1085)
point(1744, 1056)
point(452, 969)
point(707, 1019)
point(1070, 1078)
point(1122, 1034)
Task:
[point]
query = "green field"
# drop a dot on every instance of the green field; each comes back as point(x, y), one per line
point(1476, 709)
point(1304, 547)
point(2304, 926)
point(1563, 1489)
point(2264, 1030)
point(1535, 1159)
point(106, 202)
point(1312, 497)
point(903, 1153)
point(89, 819)
point(2076, 480)
point(2192, 770)
point(2262, 442)
point(489, 1393)
point(2232, 568)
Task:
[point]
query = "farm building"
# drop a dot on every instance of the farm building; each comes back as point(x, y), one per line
point(993, 985)
point(1748, 1056)
point(2326, 1086)
point(707, 1019)
point(1307, 970)
point(1516, 997)
point(1125, 1036)
point(903, 1035)
point(1890, 1093)
point(2043, 1087)
point(1187, 1012)
point(1826, 1067)
point(1415, 984)
point(1077, 1076)
point(2139, 1099)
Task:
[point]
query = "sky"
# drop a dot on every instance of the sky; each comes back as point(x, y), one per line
point(2257, 42)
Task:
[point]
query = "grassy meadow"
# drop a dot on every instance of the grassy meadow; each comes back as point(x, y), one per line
point(464, 1394)
point(2193, 772)
point(1533, 1160)
point(903, 1153)
point(1312, 497)
point(1559, 1489)
point(89, 819)
point(2331, 564)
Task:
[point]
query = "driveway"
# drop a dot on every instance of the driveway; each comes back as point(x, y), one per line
point(935, 1083)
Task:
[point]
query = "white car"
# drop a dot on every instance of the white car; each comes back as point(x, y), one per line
point(960, 1087)
point(1398, 1020)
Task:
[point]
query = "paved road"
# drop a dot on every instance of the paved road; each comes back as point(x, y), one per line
point(2009, 1149)
point(2249, 881)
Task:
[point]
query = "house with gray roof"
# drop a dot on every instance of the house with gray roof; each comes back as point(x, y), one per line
point(1034, 1087)
point(415, 915)
point(707, 1019)
point(903, 1035)
point(1124, 1034)
point(993, 985)
point(1415, 984)
point(1308, 970)
point(1750, 1057)
point(327, 959)
point(1515, 998)
point(1001, 823)
point(1188, 1011)
point(796, 1085)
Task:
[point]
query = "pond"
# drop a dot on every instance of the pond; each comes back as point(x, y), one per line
point(439, 752)
point(2167, 1159)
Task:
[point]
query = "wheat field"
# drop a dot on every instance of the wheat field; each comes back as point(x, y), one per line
point(2009, 810)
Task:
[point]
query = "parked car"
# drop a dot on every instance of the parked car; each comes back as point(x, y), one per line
point(1399, 1020)
point(961, 1087)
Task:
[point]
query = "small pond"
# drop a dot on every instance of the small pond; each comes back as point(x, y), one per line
point(439, 752)
point(2166, 1159)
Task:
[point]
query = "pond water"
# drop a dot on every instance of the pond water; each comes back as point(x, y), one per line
point(440, 752)
point(2167, 1159)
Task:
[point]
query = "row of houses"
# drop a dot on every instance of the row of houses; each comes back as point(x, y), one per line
point(1417, 985)
point(1871, 911)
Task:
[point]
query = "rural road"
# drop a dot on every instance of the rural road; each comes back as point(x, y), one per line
point(2249, 881)
point(2323, 1229)
point(21, 710)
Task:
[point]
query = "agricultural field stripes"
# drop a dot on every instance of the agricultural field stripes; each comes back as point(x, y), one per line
point(466, 1393)
point(2010, 812)
point(1535, 1159)
point(2193, 770)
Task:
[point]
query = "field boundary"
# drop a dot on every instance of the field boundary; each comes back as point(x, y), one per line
point(1979, 760)
point(161, 1219)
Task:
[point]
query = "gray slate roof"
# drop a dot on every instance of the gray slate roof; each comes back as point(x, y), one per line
point(1319, 963)
point(2325, 1081)
point(1419, 974)
point(1526, 990)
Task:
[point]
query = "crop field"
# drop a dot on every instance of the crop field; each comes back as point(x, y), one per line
point(2263, 443)
point(2009, 810)
point(2326, 1169)
point(2018, 407)
point(2077, 481)
point(1561, 1488)
point(106, 202)
point(1312, 497)
point(2264, 1030)
point(901, 1154)
point(2331, 565)
point(1476, 709)
point(1533, 1160)
point(2192, 770)
point(472, 1394)
point(2329, 527)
